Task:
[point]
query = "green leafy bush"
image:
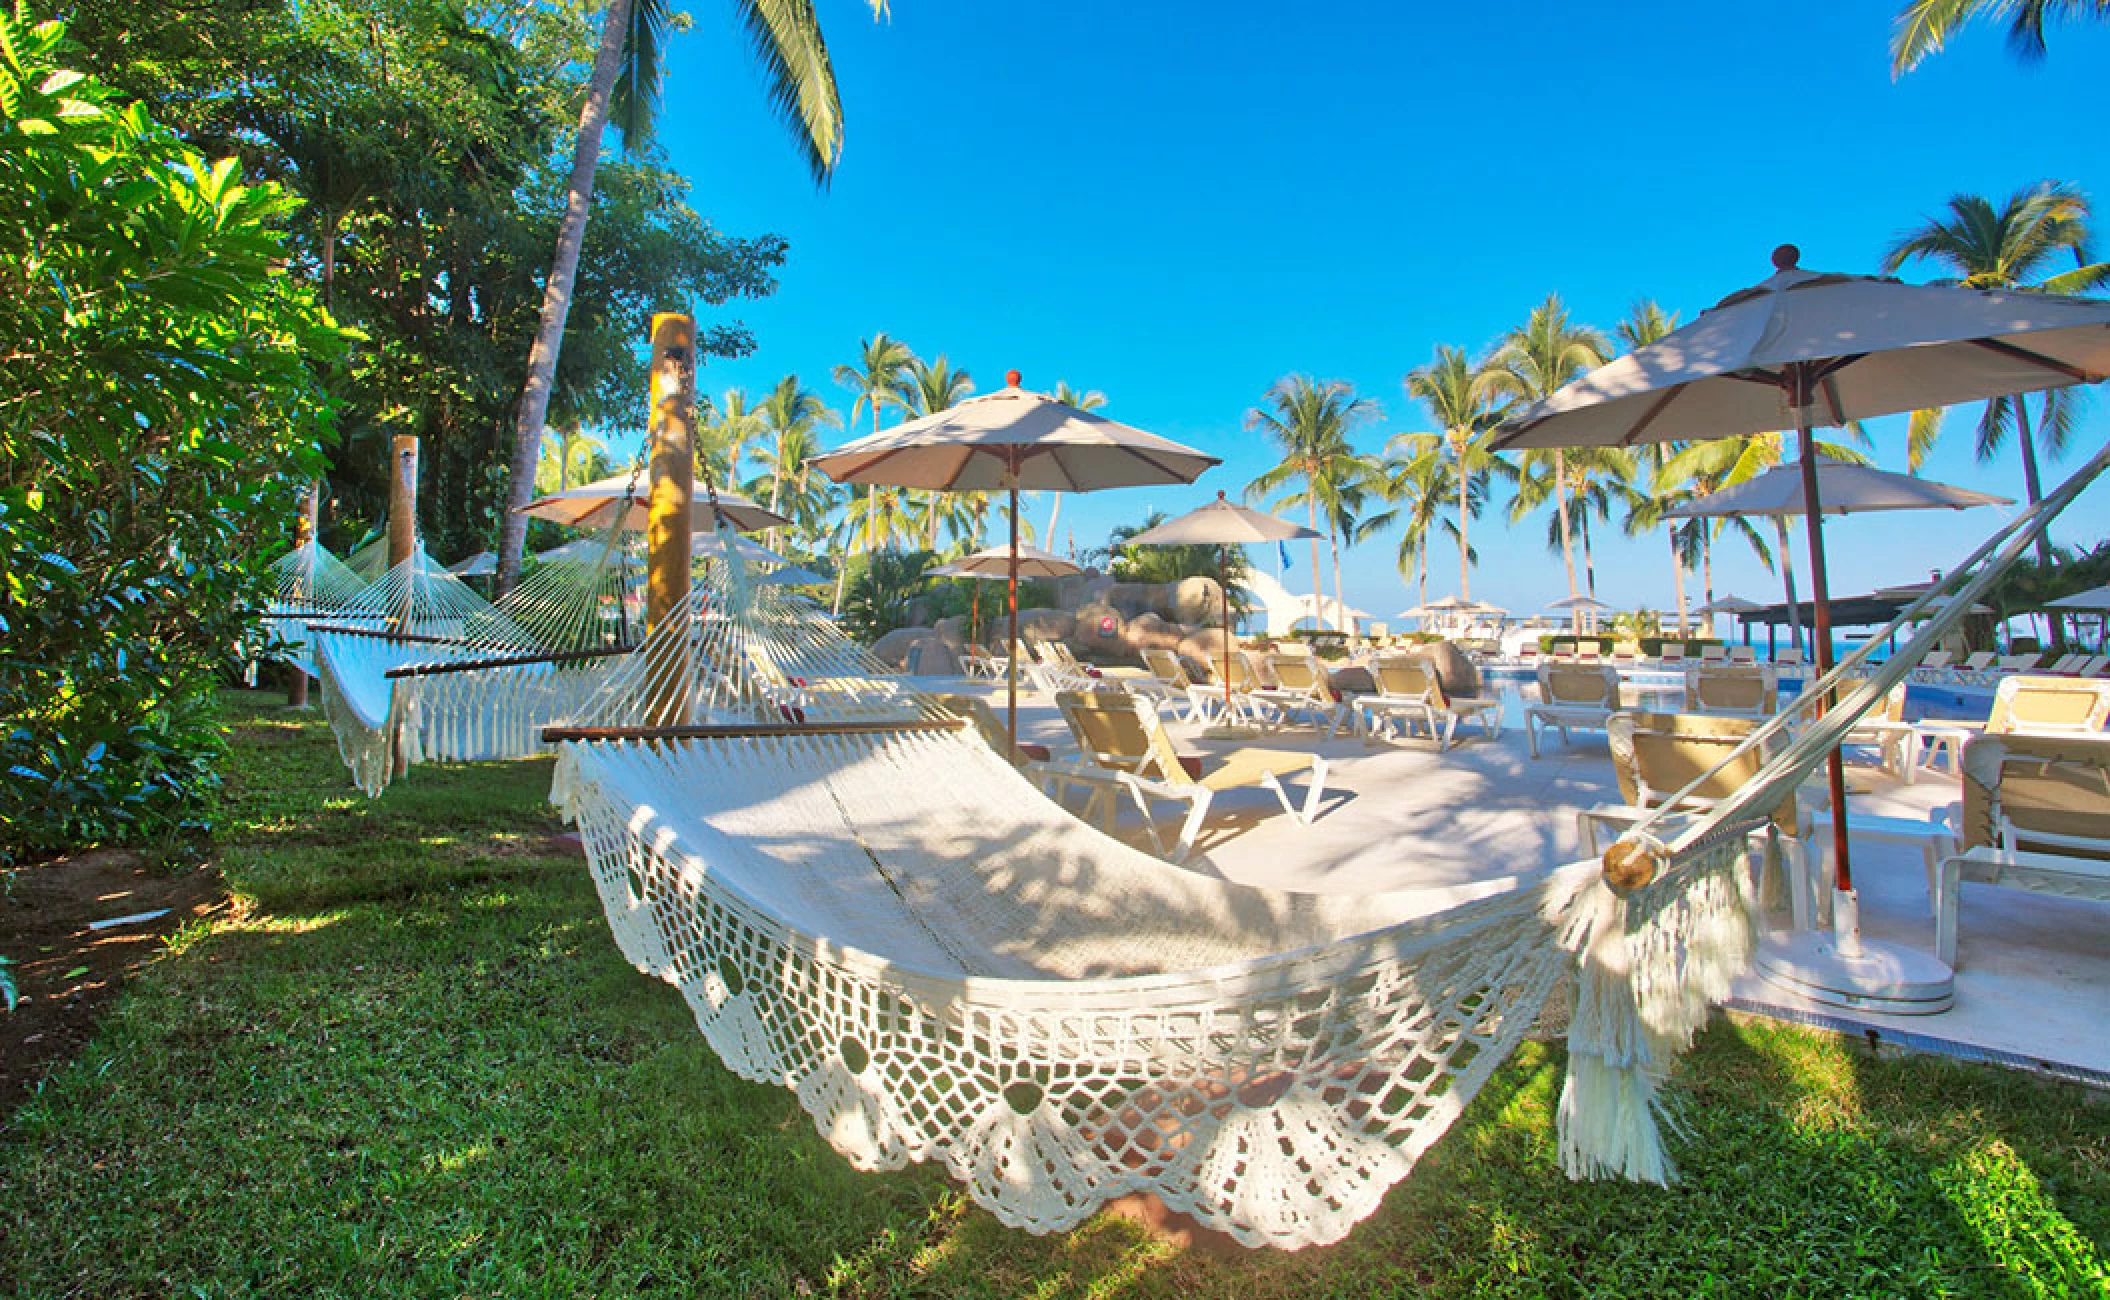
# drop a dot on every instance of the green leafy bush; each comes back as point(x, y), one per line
point(159, 407)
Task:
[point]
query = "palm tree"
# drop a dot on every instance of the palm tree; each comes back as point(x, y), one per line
point(1089, 400)
point(1923, 27)
point(927, 388)
point(1310, 423)
point(724, 443)
point(1645, 323)
point(1459, 397)
point(1717, 463)
point(575, 449)
point(627, 71)
point(1590, 478)
point(876, 377)
point(791, 418)
point(1534, 360)
point(1419, 478)
point(2011, 247)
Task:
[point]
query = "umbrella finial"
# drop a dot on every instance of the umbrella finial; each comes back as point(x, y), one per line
point(1012, 378)
point(1785, 257)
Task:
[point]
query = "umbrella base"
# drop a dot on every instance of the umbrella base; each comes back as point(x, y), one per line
point(1882, 977)
point(1231, 731)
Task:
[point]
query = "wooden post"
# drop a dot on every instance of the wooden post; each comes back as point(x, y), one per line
point(403, 508)
point(668, 554)
point(403, 535)
point(303, 536)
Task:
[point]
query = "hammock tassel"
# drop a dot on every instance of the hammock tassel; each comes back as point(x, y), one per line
point(1653, 965)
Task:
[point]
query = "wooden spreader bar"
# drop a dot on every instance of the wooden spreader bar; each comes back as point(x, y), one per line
point(743, 730)
point(505, 661)
point(415, 638)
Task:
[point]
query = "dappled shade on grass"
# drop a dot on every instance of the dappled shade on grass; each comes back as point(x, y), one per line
point(413, 1064)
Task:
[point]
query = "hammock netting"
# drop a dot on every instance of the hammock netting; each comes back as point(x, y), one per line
point(428, 670)
point(312, 585)
point(944, 965)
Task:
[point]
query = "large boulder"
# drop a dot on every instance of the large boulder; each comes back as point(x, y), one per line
point(1150, 632)
point(932, 656)
point(1042, 624)
point(1097, 632)
point(1352, 679)
point(1204, 646)
point(1196, 600)
point(1454, 668)
point(894, 648)
point(952, 631)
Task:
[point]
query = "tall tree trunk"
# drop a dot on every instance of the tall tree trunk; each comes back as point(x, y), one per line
point(1465, 546)
point(1560, 506)
point(1677, 577)
point(1707, 570)
point(2033, 488)
point(1342, 622)
point(556, 293)
point(1421, 564)
point(1787, 579)
point(1318, 576)
point(1054, 515)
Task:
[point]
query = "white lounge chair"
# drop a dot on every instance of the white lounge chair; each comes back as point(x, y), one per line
point(1123, 735)
point(2036, 816)
point(1731, 691)
point(1302, 689)
point(1408, 688)
point(1571, 697)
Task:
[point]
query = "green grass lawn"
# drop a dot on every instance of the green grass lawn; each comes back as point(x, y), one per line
point(412, 1064)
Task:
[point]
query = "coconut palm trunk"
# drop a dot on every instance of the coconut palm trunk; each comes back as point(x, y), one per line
point(1318, 575)
point(2033, 488)
point(1787, 580)
point(1560, 508)
point(1677, 576)
point(1465, 546)
point(1341, 621)
point(557, 292)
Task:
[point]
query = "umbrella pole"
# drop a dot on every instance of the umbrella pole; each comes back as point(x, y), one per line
point(1011, 583)
point(1821, 611)
point(1223, 589)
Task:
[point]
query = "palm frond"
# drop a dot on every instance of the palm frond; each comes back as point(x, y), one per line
point(634, 104)
point(787, 41)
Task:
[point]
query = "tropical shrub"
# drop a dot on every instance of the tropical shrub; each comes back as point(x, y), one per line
point(160, 406)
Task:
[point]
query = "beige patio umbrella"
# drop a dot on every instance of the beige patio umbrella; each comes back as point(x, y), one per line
point(626, 496)
point(1800, 350)
point(1223, 524)
point(995, 563)
point(1843, 488)
point(1013, 441)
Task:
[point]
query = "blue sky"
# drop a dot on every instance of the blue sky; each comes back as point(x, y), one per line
point(1178, 204)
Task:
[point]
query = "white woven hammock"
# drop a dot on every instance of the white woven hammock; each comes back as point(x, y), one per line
point(944, 965)
point(432, 671)
point(311, 584)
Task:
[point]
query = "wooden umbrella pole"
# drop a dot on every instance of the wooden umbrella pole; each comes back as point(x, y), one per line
point(1011, 582)
point(1821, 598)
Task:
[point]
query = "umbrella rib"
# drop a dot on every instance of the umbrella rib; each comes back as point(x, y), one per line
point(2035, 358)
point(1648, 417)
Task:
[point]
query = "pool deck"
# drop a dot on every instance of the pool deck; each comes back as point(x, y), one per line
point(2032, 971)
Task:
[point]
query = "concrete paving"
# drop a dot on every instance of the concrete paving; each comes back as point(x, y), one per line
point(2033, 973)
